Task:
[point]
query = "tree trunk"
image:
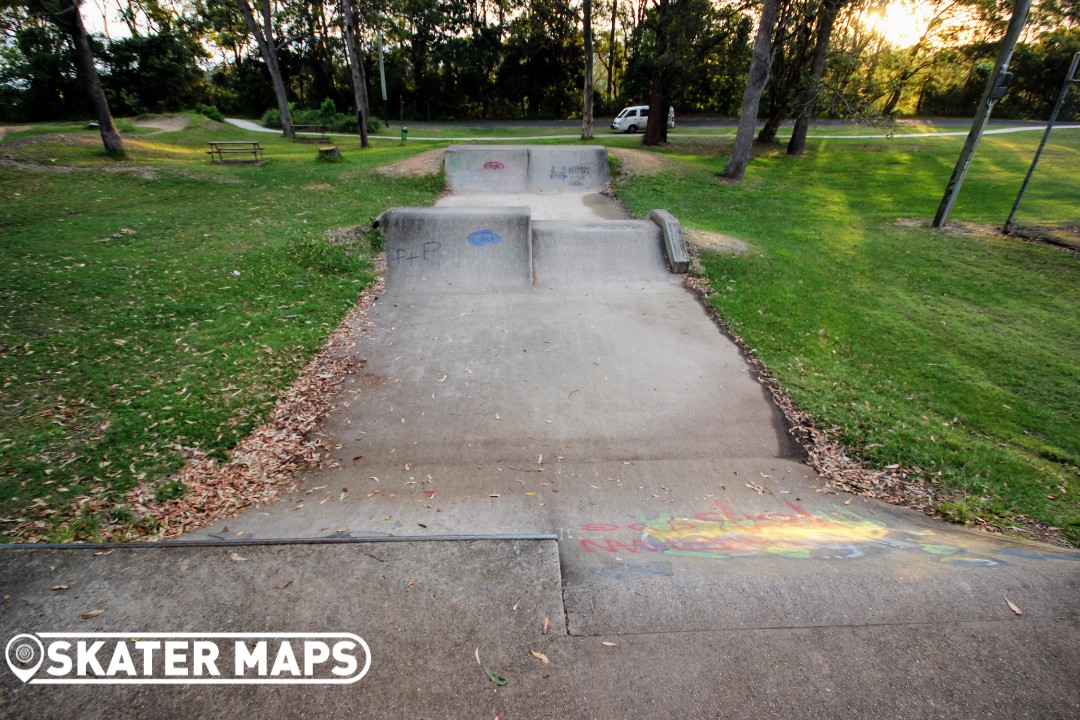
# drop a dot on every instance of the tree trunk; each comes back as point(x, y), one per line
point(70, 20)
point(760, 64)
point(611, 54)
point(826, 22)
point(587, 112)
point(656, 127)
point(356, 69)
point(269, 55)
point(767, 134)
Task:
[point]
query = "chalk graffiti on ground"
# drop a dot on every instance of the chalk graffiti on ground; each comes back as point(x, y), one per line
point(722, 534)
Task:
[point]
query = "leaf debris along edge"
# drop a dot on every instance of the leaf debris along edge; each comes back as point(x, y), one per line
point(841, 470)
point(264, 464)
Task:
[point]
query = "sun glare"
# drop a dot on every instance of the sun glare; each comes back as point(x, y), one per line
point(901, 23)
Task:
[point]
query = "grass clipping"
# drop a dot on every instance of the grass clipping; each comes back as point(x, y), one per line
point(264, 464)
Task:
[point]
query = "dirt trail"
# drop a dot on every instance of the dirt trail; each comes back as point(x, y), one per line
point(5, 129)
point(171, 123)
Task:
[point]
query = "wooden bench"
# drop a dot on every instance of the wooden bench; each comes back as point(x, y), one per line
point(219, 150)
point(310, 130)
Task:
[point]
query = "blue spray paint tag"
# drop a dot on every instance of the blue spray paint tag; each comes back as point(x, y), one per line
point(481, 238)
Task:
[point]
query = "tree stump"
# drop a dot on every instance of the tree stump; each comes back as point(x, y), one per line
point(329, 154)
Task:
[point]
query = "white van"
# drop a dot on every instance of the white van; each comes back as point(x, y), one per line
point(635, 118)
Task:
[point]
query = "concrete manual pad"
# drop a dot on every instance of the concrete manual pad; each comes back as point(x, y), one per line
point(422, 622)
point(427, 609)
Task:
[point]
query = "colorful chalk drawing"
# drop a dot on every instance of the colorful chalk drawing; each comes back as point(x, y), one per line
point(798, 534)
point(480, 238)
point(493, 165)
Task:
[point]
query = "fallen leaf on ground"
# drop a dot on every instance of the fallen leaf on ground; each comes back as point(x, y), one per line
point(59, 587)
point(544, 626)
point(540, 656)
point(493, 677)
point(284, 585)
point(1012, 606)
point(236, 558)
point(90, 614)
point(611, 644)
point(477, 654)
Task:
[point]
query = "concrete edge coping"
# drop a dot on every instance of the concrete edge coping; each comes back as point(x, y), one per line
point(674, 243)
point(241, 542)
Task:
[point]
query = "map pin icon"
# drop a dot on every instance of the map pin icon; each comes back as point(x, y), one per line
point(24, 656)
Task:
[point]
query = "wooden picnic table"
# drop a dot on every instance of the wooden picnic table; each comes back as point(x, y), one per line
point(219, 149)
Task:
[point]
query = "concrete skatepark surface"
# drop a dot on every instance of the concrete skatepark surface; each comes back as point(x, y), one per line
point(540, 383)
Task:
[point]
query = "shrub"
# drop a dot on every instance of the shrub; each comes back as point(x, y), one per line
point(211, 112)
point(271, 118)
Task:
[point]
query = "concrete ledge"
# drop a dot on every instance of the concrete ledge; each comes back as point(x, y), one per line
point(674, 244)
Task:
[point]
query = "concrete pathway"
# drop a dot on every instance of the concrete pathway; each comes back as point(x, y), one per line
point(549, 425)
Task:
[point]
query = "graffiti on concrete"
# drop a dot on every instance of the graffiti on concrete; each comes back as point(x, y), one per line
point(573, 175)
point(493, 165)
point(798, 534)
point(480, 238)
point(428, 253)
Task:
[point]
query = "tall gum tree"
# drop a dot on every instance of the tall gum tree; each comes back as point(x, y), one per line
point(760, 64)
point(826, 21)
point(264, 37)
point(66, 16)
point(587, 110)
point(356, 71)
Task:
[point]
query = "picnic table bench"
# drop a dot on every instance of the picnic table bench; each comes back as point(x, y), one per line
point(320, 130)
point(219, 149)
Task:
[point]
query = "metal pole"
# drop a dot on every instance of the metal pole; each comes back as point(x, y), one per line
point(982, 115)
point(1070, 78)
point(382, 77)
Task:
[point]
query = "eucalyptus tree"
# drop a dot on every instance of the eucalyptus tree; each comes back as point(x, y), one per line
point(824, 24)
point(356, 70)
point(587, 110)
point(264, 37)
point(65, 15)
point(760, 64)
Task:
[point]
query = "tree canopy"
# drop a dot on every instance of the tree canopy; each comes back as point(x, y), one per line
point(524, 59)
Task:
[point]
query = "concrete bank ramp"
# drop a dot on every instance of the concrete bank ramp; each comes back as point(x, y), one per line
point(473, 169)
point(584, 254)
point(481, 250)
point(457, 249)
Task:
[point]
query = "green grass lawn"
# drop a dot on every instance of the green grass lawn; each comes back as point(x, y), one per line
point(955, 353)
point(161, 303)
